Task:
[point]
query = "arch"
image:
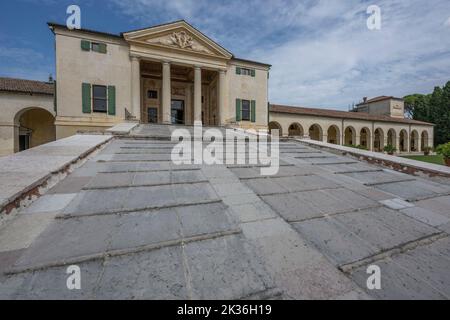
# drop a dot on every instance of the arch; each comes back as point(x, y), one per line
point(378, 140)
point(334, 135)
point(275, 126)
point(365, 138)
point(424, 140)
point(414, 143)
point(403, 141)
point(295, 130)
point(392, 138)
point(350, 136)
point(315, 132)
point(34, 126)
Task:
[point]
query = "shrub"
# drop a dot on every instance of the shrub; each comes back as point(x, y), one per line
point(444, 150)
point(390, 149)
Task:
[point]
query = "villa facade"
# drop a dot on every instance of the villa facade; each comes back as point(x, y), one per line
point(174, 74)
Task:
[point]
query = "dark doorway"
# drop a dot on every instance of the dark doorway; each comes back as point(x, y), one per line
point(24, 142)
point(152, 115)
point(177, 112)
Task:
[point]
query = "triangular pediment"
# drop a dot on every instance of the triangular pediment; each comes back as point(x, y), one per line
point(178, 36)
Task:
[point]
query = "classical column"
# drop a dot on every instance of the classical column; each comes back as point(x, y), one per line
point(197, 94)
point(221, 100)
point(166, 94)
point(135, 87)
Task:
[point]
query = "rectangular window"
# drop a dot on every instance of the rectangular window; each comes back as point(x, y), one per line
point(152, 94)
point(246, 72)
point(99, 98)
point(95, 47)
point(245, 110)
point(98, 47)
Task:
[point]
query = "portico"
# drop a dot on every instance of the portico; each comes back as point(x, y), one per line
point(170, 93)
point(178, 76)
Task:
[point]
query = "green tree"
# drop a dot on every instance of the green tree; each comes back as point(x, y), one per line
point(434, 108)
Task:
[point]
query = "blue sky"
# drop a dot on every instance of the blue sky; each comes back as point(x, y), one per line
point(323, 54)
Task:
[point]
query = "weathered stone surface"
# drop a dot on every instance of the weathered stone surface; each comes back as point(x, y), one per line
point(334, 240)
point(426, 216)
point(411, 190)
point(225, 268)
point(396, 284)
point(384, 228)
point(158, 274)
point(194, 231)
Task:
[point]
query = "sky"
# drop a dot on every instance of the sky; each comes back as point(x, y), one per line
point(321, 51)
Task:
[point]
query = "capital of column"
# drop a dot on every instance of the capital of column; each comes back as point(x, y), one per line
point(222, 71)
point(134, 58)
point(166, 63)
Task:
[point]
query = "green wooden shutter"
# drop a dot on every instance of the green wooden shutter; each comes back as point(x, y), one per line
point(85, 45)
point(102, 48)
point(86, 93)
point(253, 73)
point(112, 100)
point(238, 70)
point(253, 111)
point(238, 110)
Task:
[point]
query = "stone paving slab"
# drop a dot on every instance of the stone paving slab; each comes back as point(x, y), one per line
point(411, 190)
point(334, 240)
point(219, 239)
point(116, 180)
point(397, 284)
point(370, 178)
point(439, 205)
point(313, 204)
point(98, 235)
point(225, 268)
point(384, 228)
point(106, 201)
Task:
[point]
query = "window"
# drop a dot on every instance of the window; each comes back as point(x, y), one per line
point(99, 99)
point(98, 47)
point(245, 110)
point(152, 94)
point(245, 71)
point(95, 47)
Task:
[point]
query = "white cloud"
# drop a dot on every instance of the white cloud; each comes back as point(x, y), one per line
point(321, 50)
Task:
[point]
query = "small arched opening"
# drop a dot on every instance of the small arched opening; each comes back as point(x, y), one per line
point(403, 141)
point(34, 126)
point(333, 135)
point(295, 130)
point(365, 138)
point(315, 132)
point(378, 141)
point(414, 141)
point(273, 127)
point(350, 136)
point(391, 138)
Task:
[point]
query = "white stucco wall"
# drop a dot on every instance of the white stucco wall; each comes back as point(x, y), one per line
point(12, 105)
point(75, 66)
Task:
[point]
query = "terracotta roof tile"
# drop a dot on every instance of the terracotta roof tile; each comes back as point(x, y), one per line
point(26, 86)
point(340, 114)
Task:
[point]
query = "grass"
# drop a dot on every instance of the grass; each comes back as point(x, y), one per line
point(430, 159)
